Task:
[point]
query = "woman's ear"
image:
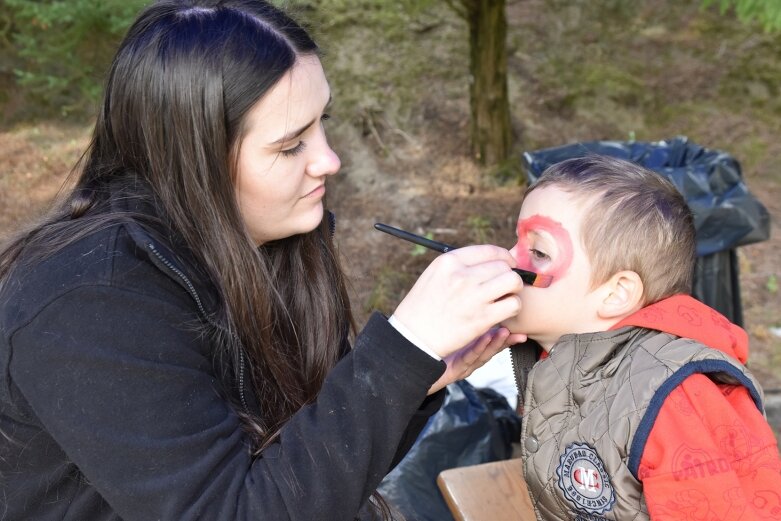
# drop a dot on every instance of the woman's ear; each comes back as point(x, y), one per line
point(622, 295)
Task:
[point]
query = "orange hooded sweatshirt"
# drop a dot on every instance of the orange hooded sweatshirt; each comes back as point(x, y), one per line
point(710, 455)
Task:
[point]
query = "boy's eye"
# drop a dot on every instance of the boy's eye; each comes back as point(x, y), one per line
point(538, 255)
point(290, 152)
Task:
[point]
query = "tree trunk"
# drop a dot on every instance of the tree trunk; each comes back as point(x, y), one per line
point(490, 129)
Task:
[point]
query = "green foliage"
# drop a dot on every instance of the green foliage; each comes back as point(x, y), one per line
point(507, 172)
point(393, 17)
point(756, 78)
point(480, 229)
point(766, 12)
point(418, 250)
point(772, 284)
point(388, 63)
point(63, 48)
point(388, 290)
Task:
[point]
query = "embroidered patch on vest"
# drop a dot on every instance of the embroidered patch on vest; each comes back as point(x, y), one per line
point(583, 479)
point(588, 517)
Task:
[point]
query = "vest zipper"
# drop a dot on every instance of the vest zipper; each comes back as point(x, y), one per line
point(194, 294)
point(523, 358)
point(516, 372)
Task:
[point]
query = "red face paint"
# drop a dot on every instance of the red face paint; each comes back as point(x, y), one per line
point(562, 258)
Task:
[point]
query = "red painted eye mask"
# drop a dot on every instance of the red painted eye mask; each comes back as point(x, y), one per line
point(560, 262)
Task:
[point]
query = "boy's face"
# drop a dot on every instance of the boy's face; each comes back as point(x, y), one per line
point(549, 243)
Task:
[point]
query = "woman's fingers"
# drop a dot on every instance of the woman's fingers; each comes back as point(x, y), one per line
point(497, 343)
point(459, 296)
point(515, 338)
point(464, 362)
point(482, 253)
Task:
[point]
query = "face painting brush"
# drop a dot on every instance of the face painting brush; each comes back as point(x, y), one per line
point(537, 280)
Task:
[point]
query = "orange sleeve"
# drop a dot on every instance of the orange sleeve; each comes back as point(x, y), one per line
point(711, 455)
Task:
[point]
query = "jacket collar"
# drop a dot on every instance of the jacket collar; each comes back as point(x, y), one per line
point(592, 350)
point(163, 247)
point(684, 316)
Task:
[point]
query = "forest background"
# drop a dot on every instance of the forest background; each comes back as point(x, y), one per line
point(577, 70)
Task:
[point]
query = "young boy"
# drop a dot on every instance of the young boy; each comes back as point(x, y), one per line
point(640, 405)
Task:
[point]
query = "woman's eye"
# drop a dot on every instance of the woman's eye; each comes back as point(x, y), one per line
point(290, 152)
point(325, 117)
point(538, 255)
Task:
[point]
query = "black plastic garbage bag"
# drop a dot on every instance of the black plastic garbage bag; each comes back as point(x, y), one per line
point(726, 215)
point(473, 426)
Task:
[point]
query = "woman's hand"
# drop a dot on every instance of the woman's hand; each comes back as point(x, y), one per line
point(461, 295)
point(463, 362)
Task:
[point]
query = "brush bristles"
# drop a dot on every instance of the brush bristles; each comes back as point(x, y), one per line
point(542, 281)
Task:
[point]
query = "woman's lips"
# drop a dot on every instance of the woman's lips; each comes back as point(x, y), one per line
point(317, 192)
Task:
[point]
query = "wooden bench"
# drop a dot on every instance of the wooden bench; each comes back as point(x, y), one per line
point(487, 492)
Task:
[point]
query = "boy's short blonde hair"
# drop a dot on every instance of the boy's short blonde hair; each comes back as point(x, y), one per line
point(635, 219)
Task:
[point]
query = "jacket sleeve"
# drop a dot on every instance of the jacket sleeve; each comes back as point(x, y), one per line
point(123, 382)
point(711, 455)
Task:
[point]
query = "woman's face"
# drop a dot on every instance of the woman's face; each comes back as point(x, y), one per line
point(284, 158)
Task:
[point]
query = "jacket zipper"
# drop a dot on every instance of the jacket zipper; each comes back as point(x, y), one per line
point(194, 294)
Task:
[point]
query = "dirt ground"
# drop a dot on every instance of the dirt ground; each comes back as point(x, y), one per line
point(679, 72)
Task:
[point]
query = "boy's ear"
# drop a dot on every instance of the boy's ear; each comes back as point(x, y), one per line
point(622, 295)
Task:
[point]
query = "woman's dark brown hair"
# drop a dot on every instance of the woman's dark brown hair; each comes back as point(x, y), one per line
point(178, 90)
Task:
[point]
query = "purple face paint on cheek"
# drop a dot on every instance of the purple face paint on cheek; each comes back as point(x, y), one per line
point(562, 258)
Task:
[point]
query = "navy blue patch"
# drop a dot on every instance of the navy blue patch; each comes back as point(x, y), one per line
point(584, 481)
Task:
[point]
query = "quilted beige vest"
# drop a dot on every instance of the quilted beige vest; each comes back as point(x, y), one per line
point(588, 409)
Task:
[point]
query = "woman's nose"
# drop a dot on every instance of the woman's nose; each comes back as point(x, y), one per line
point(324, 160)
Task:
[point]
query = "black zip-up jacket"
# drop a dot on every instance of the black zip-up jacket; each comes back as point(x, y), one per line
point(111, 406)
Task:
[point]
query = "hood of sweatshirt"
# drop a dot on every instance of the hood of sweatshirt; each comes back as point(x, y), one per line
point(684, 316)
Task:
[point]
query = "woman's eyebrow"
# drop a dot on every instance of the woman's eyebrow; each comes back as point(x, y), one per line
point(295, 133)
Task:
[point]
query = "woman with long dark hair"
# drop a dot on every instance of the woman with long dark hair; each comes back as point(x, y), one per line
point(174, 334)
